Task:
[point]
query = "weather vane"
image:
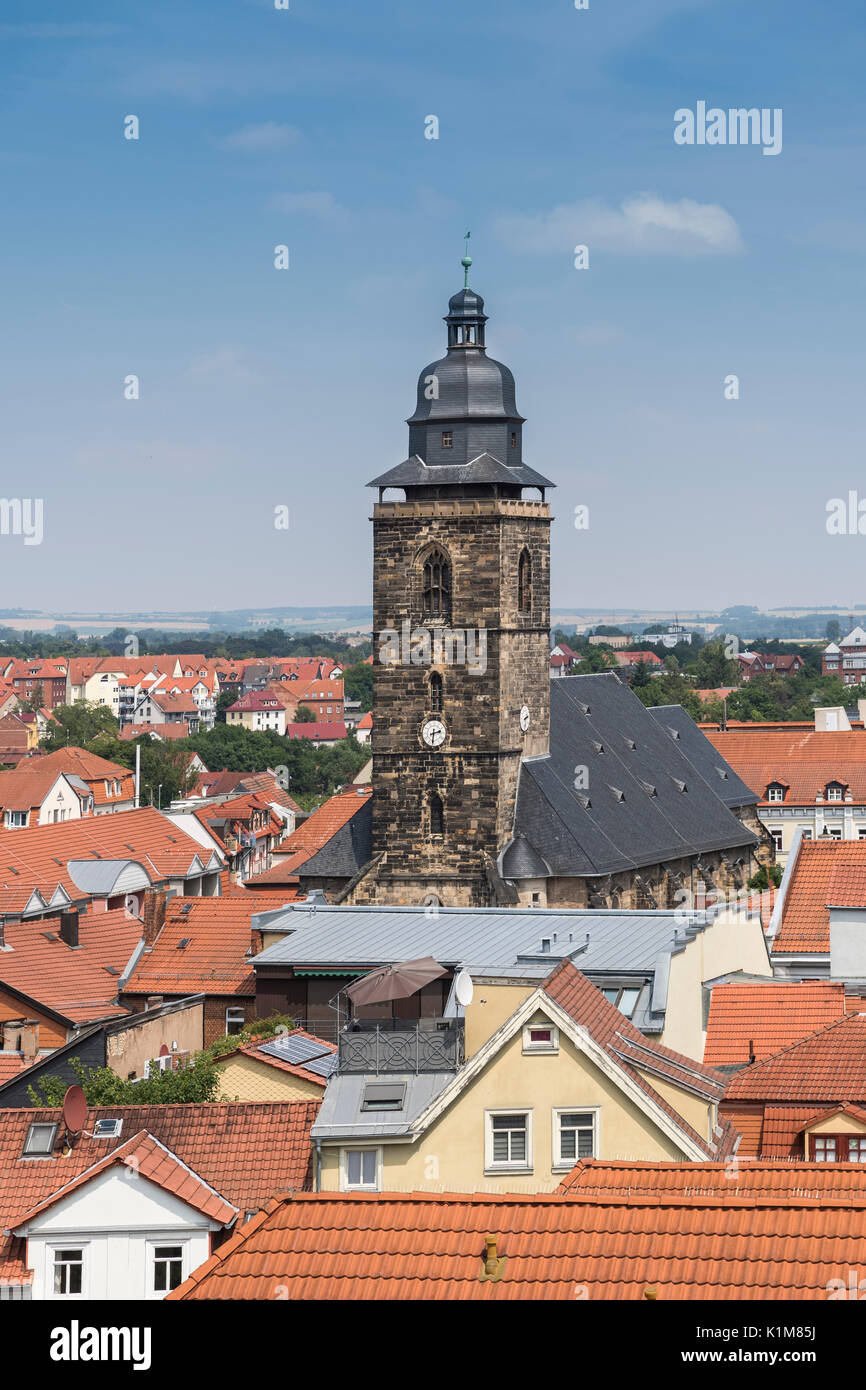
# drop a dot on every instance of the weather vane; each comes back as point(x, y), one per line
point(466, 261)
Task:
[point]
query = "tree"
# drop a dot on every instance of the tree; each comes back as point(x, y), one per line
point(833, 631)
point(78, 724)
point(304, 715)
point(35, 700)
point(199, 1080)
point(358, 684)
point(641, 675)
point(227, 696)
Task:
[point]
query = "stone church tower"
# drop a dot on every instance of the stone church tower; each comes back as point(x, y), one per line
point(461, 618)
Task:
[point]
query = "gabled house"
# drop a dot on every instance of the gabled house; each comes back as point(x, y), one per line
point(509, 1102)
point(32, 796)
point(76, 1228)
point(111, 786)
point(292, 1065)
point(326, 852)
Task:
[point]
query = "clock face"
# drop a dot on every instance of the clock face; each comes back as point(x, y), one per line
point(433, 733)
point(524, 718)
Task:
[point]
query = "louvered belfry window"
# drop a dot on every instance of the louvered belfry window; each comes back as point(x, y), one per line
point(437, 586)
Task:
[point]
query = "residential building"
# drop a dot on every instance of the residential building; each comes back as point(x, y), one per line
point(111, 786)
point(326, 852)
point(616, 1231)
point(17, 739)
point(753, 664)
point(26, 677)
point(133, 1045)
point(847, 658)
point(495, 1099)
point(258, 711)
point(807, 779)
point(77, 1229)
point(807, 1101)
point(671, 636)
point(750, 1019)
point(198, 946)
point(325, 734)
point(290, 1066)
point(245, 828)
point(30, 796)
point(818, 926)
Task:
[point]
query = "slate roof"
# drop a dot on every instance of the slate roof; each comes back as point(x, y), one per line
point(700, 750)
point(414, 472)
point(689, 1234)
point(646, 801)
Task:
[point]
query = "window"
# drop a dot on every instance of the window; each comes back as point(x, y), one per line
point(624, 998)
point(834, 791)
point(573, 1136)
point(835, 832)
point(775, 792)
point(514, 439)
point(436, 693)
point(776, 837)
point(508, 1139)
point(838, 1148)
point(437, 815)
point(447, 439)
point(524, 582)
point(360, 1169)
point(384, 1095)
point(107, 1129)
point(40, 1141)
point(437, 586)
point(68, 1272)
point(807, 834)
point(235, 1020)
point(540, 1037)
point(167, 1267)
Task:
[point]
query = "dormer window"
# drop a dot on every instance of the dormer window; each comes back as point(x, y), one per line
point(775, 792)
point(835, 791)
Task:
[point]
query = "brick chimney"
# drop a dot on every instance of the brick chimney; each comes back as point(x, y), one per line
point(69, 927)
point(153, 913)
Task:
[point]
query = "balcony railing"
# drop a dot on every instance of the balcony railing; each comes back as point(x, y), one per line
point(431, 1045)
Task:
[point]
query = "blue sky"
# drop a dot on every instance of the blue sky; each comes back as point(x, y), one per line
point(262, 388)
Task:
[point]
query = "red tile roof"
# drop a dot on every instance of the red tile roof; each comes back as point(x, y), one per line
point(801, 758)
point(216, 958)
point(827, 1066)
point(11, 1063)
point(688, 1232)
point(167, 731)
point(254, 1050)
point(630, 1049)
point(245, 1151)
point(316, 731)
point(766, 1016)
point(37, 856)
point(75, 982)
point(93, 770)
point(805, 924)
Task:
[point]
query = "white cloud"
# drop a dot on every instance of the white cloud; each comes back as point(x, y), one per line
point(642, 225)
point(268, 136)
point(322, 205)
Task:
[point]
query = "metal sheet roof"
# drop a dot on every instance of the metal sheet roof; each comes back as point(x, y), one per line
point(495, 941)
point(341, 1114)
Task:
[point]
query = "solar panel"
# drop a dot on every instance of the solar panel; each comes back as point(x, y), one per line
point(302, 1052)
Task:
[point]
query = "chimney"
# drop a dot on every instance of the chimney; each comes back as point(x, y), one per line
point(153, 913)
point(751, 1051)
point(69, 927)
point(29, 1037)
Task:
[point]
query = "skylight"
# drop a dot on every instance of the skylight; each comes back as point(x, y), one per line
point(40, 1141)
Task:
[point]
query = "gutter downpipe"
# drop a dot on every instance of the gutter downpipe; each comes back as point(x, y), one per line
point(318, 1185)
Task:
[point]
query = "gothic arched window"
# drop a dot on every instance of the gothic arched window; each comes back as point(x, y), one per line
point(524, 582)
point(437, 815)
point(437, 585)
point(436, 693)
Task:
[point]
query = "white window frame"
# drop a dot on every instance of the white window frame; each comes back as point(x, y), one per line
point(520, 1166)
point(152, 1246)
point(559, 1163)
point(835, 791)
point(530, 1046)
point(53, 1248)
point(775, 792)
point(776, 836)
point(345, 1185)
point(235, 1009)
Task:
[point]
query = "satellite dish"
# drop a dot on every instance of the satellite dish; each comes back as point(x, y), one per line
point(464, 990)
point(74, 1109)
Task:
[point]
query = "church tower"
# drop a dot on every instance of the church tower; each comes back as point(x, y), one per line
point(461, 618)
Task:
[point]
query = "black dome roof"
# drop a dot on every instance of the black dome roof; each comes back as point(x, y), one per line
point(471, 385)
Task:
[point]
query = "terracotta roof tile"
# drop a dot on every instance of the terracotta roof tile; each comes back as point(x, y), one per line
point(76, 983)
point(686, 1230)
point(216, 958)
point(801, 757)
point(805, 924)
point(311, 836)
point(244, 1151)
point(767, 1016)
point(827, 1066)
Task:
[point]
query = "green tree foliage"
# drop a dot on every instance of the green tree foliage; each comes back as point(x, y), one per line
point(314, 772)
point(712, 668)
point(78, 724)
point(358, 684)
point(199, 1080)
point(304, 715)
point(765, 877)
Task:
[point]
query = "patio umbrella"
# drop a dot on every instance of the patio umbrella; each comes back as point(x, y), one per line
point(395, 981)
